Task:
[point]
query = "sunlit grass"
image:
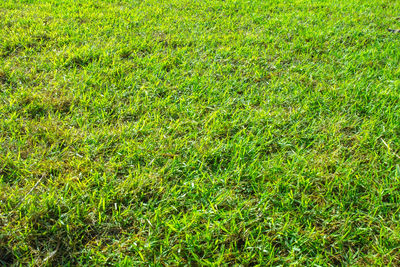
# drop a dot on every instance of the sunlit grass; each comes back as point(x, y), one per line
point(199, 132)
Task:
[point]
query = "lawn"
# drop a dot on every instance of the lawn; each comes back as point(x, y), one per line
point(199, 132)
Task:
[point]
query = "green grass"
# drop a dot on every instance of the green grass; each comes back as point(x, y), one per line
point(203, 132)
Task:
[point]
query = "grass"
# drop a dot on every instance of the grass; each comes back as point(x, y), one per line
point(199, 132)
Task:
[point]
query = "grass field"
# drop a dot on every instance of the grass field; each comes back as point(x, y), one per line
point(199, 132)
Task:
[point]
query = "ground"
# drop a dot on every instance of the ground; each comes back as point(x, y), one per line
point(199, 132)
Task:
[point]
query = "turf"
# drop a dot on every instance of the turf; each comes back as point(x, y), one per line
point(203, 132)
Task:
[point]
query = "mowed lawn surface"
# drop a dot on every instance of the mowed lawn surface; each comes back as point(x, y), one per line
point(199, 132)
